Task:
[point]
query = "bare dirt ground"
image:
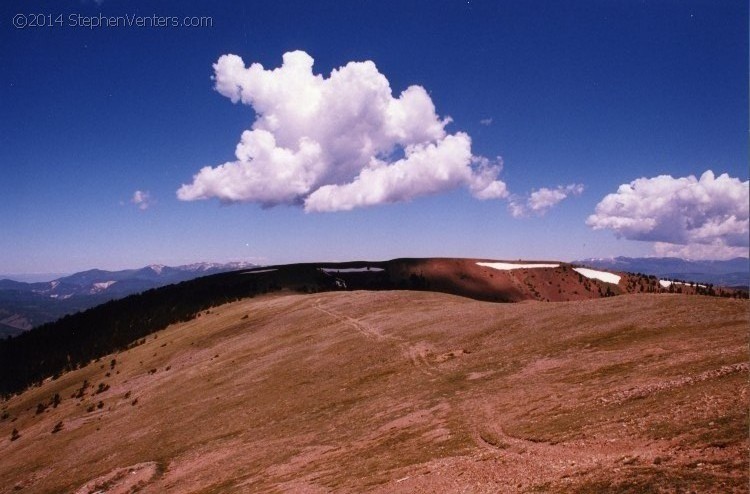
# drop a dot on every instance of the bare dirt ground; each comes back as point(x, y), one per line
point(402, 392)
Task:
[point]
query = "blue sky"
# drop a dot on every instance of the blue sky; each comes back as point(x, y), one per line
point(587, 93)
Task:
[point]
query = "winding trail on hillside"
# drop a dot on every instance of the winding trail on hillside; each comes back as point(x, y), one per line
point(354, 323)
point(416, 353)
point(639, 392)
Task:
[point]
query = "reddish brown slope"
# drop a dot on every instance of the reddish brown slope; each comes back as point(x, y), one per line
point(465, 277)
point(460, 276)
point(403, 392)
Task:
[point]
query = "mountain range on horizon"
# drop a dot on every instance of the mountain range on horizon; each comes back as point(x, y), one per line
point(730, 273)
point(25, 305)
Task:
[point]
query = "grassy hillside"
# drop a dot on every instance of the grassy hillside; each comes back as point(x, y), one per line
point(76, 340)
point(401, 392)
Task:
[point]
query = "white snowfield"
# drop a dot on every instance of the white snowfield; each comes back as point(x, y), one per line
point(157, 268)
point(506, 266)
point(61, 297)
point(260, 271)
point(667, 283)
point(598, 275)
point(351, 270)
point(103, 285)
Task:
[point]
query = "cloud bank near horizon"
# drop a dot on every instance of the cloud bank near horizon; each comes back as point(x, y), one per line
point(684, 217)
point(337, 143)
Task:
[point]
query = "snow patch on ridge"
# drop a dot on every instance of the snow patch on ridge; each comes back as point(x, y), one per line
point(99, 287)
point(506, 266)
point(157, 268)
point(667, 283)
point(257, 271)
point(598, 275)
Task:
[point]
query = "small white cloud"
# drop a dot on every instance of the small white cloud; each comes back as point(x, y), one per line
point(486, 121)
point(711, 212)
point(337, 143)
point(142, 200)
point(516, 207)
point(542, 200)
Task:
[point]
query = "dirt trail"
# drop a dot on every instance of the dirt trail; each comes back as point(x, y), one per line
point(363, 329)
point(416, 353)
point(639, 392)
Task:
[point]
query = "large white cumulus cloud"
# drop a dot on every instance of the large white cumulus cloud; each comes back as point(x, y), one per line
point(337, 143)
point(680, 214)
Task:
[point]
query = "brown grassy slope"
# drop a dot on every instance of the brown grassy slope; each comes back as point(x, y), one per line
point(459, 276)
point(465, 277)
point(403, 392)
